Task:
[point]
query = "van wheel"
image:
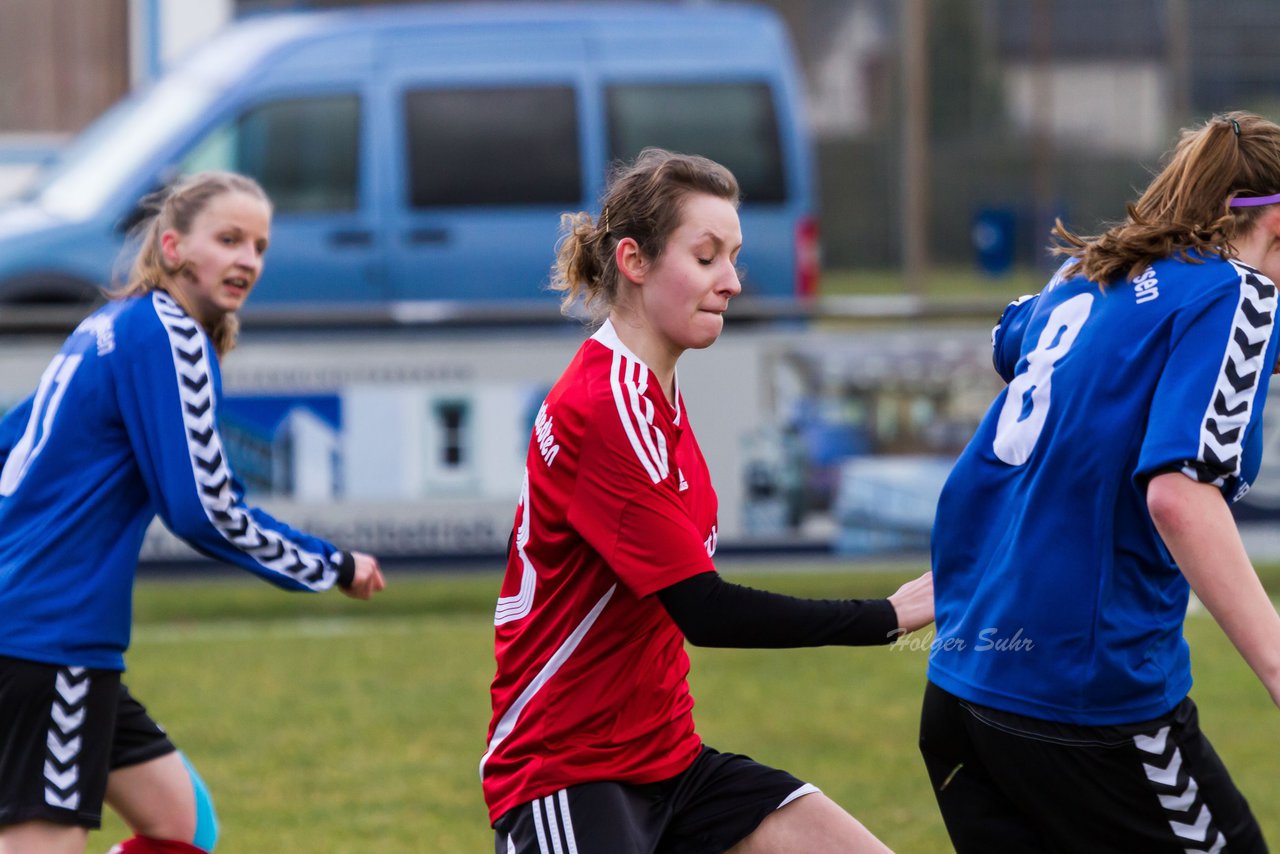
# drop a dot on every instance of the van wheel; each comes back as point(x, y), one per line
point(48, 289)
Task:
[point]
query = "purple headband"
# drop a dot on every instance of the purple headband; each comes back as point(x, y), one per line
point(1254, 201)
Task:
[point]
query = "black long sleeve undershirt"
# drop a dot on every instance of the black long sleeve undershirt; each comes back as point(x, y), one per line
point(713, 612)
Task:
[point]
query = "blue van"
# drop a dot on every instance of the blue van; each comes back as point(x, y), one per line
point(425, 153)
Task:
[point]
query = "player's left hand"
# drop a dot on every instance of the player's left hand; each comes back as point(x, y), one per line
point(913, 602)
point(368, 579)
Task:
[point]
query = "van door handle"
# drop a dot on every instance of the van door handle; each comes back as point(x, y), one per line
point(423, 236)
point(353, 237)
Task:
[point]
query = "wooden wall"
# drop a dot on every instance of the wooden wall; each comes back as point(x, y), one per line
point(62, 62)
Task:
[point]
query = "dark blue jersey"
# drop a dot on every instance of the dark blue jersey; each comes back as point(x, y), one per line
point(120, 429)
point(1055, 596)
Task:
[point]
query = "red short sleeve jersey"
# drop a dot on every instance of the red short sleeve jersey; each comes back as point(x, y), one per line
point(616, 504)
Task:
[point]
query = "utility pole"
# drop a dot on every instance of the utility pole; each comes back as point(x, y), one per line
point(915, 145)
point(1042, 184)
point(1178, 53)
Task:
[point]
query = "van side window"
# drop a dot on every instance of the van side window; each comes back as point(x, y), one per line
point(509, 146)
point(303, 151)
point(733, 123)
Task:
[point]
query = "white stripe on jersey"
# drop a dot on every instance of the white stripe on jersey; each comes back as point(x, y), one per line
point(508, 721)
point(511, 608)
point(211, 475)
point(642, 406)
point(634, 409)
point(637, 421)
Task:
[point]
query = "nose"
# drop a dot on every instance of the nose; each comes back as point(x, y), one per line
point(730, 285)
point(249, 258)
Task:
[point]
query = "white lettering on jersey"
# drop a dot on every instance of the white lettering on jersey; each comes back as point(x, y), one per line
point(1058, 277)
point(684, 484)
point(712, 542)
point(1146, 287)
point(547, 445)
point(100, 327)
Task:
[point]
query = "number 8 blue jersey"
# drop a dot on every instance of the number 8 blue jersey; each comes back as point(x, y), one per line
point(122, 428)
point(1055, 596)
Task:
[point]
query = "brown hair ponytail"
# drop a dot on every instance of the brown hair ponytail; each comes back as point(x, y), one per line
point(642, 201)
point(1186, 207)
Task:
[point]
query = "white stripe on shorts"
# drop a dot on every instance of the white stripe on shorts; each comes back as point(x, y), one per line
point(567, 821)
point(537, 826)
point(806, 789)
point(553, 826)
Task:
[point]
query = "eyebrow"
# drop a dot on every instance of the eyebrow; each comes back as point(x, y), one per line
point(713, 237)
point(708, 233)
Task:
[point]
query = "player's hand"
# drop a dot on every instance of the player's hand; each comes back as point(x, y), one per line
point(368, 578)
point(914, 603)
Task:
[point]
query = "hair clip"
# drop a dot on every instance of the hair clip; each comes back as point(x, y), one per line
point(1235, 126)
point(604, 219)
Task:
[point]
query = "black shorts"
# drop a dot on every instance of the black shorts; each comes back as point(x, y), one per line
point(62, 731)
point(714, 804)
point(1011, 783)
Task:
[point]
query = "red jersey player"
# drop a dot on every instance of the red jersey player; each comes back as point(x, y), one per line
point(592, 746)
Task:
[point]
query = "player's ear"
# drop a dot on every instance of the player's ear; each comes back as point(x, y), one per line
point(169, 247)
point(630, 260)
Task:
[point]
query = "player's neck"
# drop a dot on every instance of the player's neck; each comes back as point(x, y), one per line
point(1260, 247)
point(656, 353)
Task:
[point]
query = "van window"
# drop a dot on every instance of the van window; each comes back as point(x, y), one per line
point(304, 152)
point(510, 146)
point(732, 123)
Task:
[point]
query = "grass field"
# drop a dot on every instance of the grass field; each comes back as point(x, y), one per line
point(325, 725)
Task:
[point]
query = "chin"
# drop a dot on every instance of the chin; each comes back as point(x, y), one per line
point(706, 335)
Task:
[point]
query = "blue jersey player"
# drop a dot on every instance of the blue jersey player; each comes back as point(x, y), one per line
point(121, 428)
point(1091, 501)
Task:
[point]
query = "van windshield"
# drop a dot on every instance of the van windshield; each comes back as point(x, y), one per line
point(132, 134)
point(116, 146)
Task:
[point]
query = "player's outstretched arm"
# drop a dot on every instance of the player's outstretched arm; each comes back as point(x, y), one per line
point(368, 578)
point(1196, 524)
point(713, 612)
